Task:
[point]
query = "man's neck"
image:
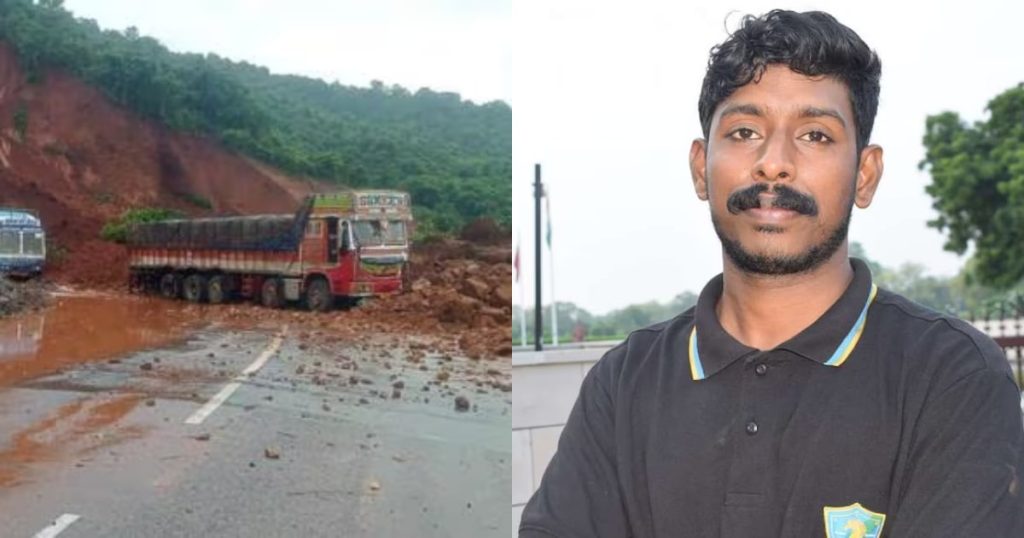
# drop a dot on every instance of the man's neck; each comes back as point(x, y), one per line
point(765, 311)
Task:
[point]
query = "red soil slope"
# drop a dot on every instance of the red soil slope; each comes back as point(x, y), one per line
point(84, 160)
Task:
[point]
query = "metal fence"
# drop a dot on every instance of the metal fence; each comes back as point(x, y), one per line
point(1008, 332)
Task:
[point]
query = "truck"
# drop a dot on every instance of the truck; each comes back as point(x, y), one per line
point(22, 243)
point(340, 246)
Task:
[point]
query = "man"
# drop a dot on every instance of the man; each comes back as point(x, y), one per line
point(796, 398)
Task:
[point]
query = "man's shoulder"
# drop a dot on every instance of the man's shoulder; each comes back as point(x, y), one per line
point(658, 342)
point(926, 334)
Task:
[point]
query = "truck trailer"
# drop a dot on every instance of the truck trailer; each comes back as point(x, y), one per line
point(344, 245)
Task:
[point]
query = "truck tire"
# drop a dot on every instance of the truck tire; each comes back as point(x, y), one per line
point(194, 288)
point(318, 296)
point(272, 293)
point(406, 279)
point(217, 289)
point(170, 286)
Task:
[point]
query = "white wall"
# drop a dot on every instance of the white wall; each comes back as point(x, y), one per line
point(545, 386)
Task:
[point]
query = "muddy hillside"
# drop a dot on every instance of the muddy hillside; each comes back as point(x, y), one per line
point(79, 160)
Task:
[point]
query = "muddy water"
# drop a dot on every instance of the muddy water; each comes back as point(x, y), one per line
point(77, 329)
point(65, 432)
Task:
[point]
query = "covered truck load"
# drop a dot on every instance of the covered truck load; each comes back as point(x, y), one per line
point(275, 233)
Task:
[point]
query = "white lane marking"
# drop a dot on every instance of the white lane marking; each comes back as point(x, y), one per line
point(58, 526)
point(199, 416)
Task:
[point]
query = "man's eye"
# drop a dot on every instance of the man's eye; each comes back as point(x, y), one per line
point(817, 137)
point(742, 134)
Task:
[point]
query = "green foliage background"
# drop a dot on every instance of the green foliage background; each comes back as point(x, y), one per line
point(959, 295)
point(978, 186)
point(117, 229)
point(452, 155)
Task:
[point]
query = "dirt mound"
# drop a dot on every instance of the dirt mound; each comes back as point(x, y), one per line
point(485, 231)
point(17, 296)
point(459, 288)
point(81, 160)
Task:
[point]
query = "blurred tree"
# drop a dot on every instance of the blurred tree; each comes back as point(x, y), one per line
point(978, 186)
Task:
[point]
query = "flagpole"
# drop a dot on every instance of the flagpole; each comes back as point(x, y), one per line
point(551, 273)
point(538, 309)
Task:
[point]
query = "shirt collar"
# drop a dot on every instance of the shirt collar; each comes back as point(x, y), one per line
point(829, 340)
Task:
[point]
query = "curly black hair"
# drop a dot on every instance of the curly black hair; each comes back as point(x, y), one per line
point(812, 43)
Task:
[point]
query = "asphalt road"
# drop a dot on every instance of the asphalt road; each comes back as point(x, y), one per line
point(174, 439)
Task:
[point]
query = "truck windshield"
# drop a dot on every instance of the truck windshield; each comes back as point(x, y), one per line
point(375, 233)
point(21, 242)
point(10, 242)
point(32, 243)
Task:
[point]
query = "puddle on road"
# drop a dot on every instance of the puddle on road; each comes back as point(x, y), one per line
point(71, 428)
point(78, 329)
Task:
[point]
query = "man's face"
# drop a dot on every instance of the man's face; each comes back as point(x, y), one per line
point(780, 170)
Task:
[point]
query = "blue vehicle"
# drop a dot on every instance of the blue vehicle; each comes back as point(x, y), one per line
point(22, 243)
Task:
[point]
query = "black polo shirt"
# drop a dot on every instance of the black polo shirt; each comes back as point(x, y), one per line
point(882, 418)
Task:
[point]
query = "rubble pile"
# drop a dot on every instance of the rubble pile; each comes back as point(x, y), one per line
point(16, 296)
point(457, 288)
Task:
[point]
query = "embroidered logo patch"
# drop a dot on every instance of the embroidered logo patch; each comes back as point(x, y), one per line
point(852, 521)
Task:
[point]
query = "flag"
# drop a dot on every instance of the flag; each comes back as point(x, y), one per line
point(515, 263)
point(547, 207)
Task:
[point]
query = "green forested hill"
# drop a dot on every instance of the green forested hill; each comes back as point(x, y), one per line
point(454, 156)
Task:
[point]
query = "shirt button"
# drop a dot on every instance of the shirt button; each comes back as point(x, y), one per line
point(751, 427)
point(761, 369)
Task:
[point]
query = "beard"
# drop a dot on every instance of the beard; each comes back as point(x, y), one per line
point(778, 265)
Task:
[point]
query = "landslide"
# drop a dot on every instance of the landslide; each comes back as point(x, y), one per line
point(79, 160)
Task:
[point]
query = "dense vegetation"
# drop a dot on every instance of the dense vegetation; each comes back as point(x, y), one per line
point(117, 229)
point(959, 295)
point(452, 155)
point(978, 186)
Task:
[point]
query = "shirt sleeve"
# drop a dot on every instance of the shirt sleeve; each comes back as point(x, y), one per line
point(965, 467)
point(579, 495)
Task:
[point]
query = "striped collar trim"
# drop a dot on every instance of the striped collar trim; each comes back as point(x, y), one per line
point(839, 356)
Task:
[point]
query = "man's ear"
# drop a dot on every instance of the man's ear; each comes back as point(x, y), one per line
point(698, 167)
point(869, 174)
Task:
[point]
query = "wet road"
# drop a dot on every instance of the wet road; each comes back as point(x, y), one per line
point(142, 418)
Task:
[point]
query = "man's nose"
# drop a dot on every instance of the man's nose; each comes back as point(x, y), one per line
point(775, 161)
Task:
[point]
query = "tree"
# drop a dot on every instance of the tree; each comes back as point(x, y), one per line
point(978, 186)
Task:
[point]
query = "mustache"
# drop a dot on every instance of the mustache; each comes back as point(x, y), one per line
point(785, 198)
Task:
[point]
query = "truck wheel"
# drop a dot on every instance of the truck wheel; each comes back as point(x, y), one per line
point(318, 296)
point(194, 288)
point(271, 294)
point(216, 289)
point(406, 279)
point(170, 286)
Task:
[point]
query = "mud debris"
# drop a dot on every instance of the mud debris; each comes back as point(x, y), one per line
point(19, 296)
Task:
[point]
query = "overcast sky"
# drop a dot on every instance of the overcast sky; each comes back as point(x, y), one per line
point(605, 97)
point(463, 46)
